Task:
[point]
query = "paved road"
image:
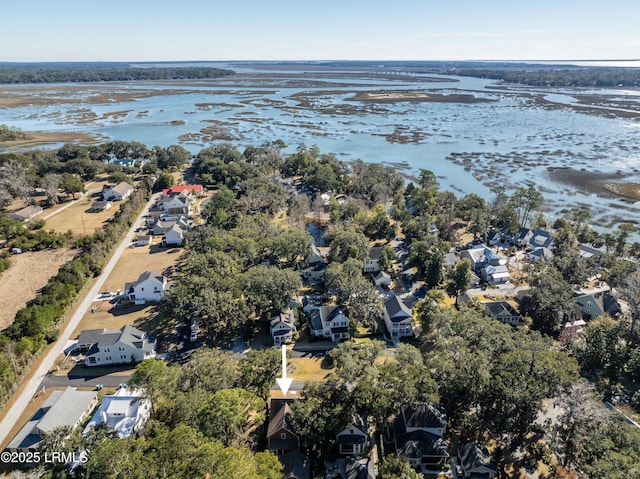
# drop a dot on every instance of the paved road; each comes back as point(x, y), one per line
point(51, 381)
point(34, 384)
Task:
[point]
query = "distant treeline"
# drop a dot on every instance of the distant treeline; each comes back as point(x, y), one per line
point(534, 74)
point(64, 73)
point(583, 77)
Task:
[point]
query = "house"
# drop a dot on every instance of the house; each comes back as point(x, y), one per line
point(354, 439)
point(498, 274)
point(116, 346)
point(371, 262)
point(588, 250)
point(192, 190)
point(541, 255)
point(26, 214)
point(398, 318)
point(174, 236)
point(121, 191)
point(329, 322)
point(481, 256)
point(522, 238)
point(281, 437)
point(62, 408)
point(592, 303)
point(125, 412)
point(351, 468)
point(148, 287)
point(144, 240)
point(283, 327)
point(315, 271)
point(474, 462)
point(382, 279)
point(541, 239)
point(164, 224)
point(503, 311)
point(417, 435)
point(98, 206)
point(179, 204)
point(494, 238)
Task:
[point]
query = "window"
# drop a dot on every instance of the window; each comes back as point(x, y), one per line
point(283, 435)
point(92, 359)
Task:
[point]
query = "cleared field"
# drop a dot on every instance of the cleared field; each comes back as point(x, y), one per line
point(28, 272)
point(133, 262)
point(74, 216)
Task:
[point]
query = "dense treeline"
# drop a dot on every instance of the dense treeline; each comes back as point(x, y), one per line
point(559, 77)
point(53, 73)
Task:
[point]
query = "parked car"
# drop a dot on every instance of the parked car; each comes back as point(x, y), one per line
point(193, 337)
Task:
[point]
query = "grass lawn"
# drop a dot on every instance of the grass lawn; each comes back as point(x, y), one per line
point(76, 218)
point(307, 369)
point(133, 262)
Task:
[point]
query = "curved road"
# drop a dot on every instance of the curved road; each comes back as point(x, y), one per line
point(31, 387)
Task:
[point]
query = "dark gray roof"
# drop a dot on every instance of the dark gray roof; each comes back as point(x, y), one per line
point(375, 252)
point(359, 468)
point(424, 415)
point(280, 419)
point(285, 317)
point(496, 308)
point(473, 455)
point(396, 309)
point(108, 337)
point(90, 336)
point(324, 314)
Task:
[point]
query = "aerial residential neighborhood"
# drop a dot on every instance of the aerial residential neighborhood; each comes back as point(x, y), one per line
point(414, 347)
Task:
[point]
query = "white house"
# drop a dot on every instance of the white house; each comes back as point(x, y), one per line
point(382, 279)
point(283, 327)
point(125, 412)
point(398, 318)
point(371, 262)
point(121, 191)
point(26, 213)
point(498, 274)
point(116, 346)
point(329, 322)
point(177, 204)
point(62, 408)
point(503, 311)
point(174, 236)
point(150, 286)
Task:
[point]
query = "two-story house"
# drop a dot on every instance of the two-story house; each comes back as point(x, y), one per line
point(149, 287)
point(116, 346)
point(283, 327)
point(329, 322)
point(474, 462)
point(372, 260)
point(417, 434)
point(354, 439)
point(398, 318)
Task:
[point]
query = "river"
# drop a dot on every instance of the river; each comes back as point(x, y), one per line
point(506, 135)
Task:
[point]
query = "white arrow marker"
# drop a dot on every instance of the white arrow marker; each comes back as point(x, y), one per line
point(284, 382)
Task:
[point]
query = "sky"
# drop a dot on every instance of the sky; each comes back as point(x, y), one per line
point(180, 30)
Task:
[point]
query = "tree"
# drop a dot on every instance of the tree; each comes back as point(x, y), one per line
point(346, 243)
point(156, 378)
point(601, 349)
point(164, 181)
point(171, 157)
point(394, 467)
point(270, 288)
point(459, 279)
point(232, 416)
point(525, 201)
point(50, 184)
point(258, 371)
point(71, 184)
point(629, 291)
point(14, 177)
point(550, 301)
point(292, 243)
